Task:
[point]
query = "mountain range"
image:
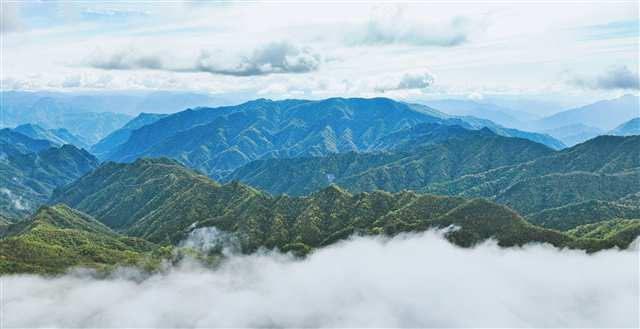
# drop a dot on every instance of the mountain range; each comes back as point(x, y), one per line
point(216, 141)
point(30, 169)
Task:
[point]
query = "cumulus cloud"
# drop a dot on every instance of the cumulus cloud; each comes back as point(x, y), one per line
point(126, 59)
point(278, 57)
point(475, 96)
point(616, 78)
point(408, 281)
point(405, 81)
point(273, 58)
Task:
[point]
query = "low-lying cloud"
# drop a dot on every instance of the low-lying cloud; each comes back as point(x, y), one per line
point(272, 58)
point(616, 78)
point(17, 202)
point(408, 281)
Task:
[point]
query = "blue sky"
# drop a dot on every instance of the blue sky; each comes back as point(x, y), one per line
point(283, 49)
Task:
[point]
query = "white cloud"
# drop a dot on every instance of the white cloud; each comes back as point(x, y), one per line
point(475, 96)
point(404, 81)
point(10, 20)
point(615, 78)
point(409, 281)
point(17, 202)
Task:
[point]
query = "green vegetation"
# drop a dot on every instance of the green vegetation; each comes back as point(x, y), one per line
point(56, 238)
point(424, 154)
point(619, 232)
point(30, 169)
point(576, 214)
point(174, 200)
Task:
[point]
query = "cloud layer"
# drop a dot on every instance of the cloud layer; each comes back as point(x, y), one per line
point(272, 58)
point(616, 78)
point(409, 281)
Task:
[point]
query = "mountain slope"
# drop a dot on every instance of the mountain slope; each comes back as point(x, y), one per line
point(176, 201)
point(574, 134)
point(631, 127)
point(218, 140)
point(605, 168)
point(29, 172)
point(59, 136)
point(605, 115)
point(425, 154)
point(487, 111)
point(57, 237)
point(109, 143)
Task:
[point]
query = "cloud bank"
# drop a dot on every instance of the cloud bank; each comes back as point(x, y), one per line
point(409, 281)
point(616, 78)
point(272, 58)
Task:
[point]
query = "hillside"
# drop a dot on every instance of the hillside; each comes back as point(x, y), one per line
point(58, 137)
point(31, 169)
point(574, 134)
point(56, 238)
point(605, 114)
point(587, 212)
point(497, 114)
point(109, 143)
point(631, 127)
point(216, 141)
point(424, 154)
point(604, 168)
point(172, 201)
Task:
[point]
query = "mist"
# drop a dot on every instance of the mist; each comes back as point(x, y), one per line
point(417, 280)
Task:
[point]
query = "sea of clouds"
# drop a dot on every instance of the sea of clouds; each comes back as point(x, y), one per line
point(417, 280)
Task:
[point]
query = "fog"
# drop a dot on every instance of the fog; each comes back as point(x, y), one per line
point(408, 281)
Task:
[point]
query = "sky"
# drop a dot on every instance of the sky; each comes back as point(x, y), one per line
point(284, 49)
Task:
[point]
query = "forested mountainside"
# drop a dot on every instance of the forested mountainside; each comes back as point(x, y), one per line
point(216, 141)
point(172, 200)
point(109, 143)
point(422, 155)
point(30, 170)
point(56, 238)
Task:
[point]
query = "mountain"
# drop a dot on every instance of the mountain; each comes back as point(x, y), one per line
point(574, 134)
point(162, 201)
point(604, 115)
point(218, 140)
point(55, 112)
point(424, 154)
point(59, 136)
point(56, 238)
point(624, 231)
point(497, 114)
point(587, 212)
point(29, 171)
point(631, 127)
point(605, 168)
point(112, 141)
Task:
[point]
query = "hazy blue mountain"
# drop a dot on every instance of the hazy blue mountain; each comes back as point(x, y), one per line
point(631, 127)
point(58, 136)
point(605, 114)
point(219, 140)
point(30, 170)
point(424, 154)
point(545, 139)
point(102, 148)
point(497, 114)
point(51, 113)
point(574, 134)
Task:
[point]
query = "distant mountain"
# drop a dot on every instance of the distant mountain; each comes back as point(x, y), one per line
point(50, 113)
point(424, 154)
point(218, 140)
point(541, 138)
point(487, 111)
point(112, 141)
point(574, 134)
point(631, 127)
point(162, 201)
point(604, 115)
point(57, 237)
point(605, 168)
point(30, 170)
point(58, 136)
